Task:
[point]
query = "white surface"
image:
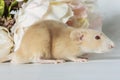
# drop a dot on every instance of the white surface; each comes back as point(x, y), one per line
point(99, 67)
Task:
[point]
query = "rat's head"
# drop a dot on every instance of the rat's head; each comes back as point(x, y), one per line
point(91, 41)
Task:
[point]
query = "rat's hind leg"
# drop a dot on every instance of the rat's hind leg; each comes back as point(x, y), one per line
point(45, 58)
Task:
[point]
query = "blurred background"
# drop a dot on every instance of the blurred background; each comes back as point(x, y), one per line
point(110, 10)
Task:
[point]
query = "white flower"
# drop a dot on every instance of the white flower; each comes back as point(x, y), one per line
point(13, 12)
point(33, 11)
point(19, 0)
point(6, 42)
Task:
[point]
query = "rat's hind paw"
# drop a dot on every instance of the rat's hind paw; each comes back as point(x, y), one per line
point(51, 61)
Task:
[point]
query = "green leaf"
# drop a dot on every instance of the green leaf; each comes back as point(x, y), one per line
point(10, 7)
point(12, 4)
point(2, 5)
point(25, 0)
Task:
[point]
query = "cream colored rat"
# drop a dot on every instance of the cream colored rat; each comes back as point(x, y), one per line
point(52, 42)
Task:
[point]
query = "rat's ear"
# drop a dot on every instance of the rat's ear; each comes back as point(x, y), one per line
point(77, 35)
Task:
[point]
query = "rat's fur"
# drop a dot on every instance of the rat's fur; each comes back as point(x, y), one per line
point(54, 40)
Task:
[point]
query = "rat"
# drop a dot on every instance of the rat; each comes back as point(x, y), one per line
point(52, 41)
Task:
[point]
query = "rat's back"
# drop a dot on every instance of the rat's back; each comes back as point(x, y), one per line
point(38, 41)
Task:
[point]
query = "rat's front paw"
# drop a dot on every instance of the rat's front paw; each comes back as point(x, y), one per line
point(80, 60)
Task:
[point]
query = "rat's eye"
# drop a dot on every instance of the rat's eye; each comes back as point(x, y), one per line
point(97, 37)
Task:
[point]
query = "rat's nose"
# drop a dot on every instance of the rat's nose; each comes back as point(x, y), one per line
point(111, 46)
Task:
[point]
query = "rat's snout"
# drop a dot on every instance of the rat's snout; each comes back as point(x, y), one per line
point(110, 46)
